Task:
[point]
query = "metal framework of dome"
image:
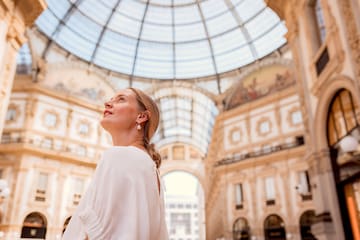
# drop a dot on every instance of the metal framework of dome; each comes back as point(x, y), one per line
point(164, 39)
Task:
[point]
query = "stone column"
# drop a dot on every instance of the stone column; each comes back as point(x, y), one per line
point(15, 16)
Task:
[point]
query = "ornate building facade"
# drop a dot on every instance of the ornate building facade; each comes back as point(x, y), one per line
point(312, 182)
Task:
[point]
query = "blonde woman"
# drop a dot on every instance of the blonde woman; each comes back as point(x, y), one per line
point(124, 200)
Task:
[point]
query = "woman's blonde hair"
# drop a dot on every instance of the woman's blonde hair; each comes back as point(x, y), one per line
point(147, 103)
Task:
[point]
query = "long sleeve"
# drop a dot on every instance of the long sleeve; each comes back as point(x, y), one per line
point(122, 201)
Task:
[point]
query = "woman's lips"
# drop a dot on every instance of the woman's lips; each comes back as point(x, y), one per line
point(107, 112)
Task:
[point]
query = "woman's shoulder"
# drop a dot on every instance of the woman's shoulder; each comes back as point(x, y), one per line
point(127, 157)
point(126, 151)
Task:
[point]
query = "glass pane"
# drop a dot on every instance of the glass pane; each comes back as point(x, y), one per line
point(125, 25)
point(59, 8)
point(349, 111)
point(339, 118)
point(92, 8)
point(213, 8)
point(48, 22)
point(187, 15)
point(238, 194)
point(332, 134)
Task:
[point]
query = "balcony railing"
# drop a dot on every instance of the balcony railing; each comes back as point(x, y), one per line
point(299, 141)
point(45, 144)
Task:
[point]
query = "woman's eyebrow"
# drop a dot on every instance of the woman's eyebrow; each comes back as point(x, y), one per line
point(120, 95)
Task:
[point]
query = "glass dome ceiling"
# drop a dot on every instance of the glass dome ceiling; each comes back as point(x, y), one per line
point(164, 39)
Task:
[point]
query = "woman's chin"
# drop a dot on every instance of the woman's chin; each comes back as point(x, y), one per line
point(105, 124)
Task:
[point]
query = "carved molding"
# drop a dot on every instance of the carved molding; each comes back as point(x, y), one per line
point(264, 132)
point(5, 7)
point(278, 6)
point(235, 135)
point(289, 117)
point(31, 9)
point(13, 113)
point(320, 162)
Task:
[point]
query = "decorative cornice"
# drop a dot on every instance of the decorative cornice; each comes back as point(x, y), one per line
point(278, 6)
point(23, 85)
point(352, 33)
point(5, 7)
point(31, 9)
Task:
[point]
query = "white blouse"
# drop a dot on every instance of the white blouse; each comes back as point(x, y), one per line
point(122, 201)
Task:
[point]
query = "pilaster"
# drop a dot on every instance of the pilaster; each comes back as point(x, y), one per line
point(15, 17)
point(328, 223)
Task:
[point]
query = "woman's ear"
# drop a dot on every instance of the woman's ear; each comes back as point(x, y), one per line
point(143, 117)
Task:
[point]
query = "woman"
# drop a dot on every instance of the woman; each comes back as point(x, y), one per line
point(124, 200)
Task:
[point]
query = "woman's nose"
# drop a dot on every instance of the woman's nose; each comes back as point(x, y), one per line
point(107, 104)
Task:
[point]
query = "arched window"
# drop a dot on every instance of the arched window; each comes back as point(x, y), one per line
point(316, 24)
point(34, 226)
point(274, 228)
point(341, 117)
point(23, 60)
point(306, 219)
point(241, 229)
point(320, 21)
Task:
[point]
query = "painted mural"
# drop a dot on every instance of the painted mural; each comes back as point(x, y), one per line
point(93, 94)
point(261, 83)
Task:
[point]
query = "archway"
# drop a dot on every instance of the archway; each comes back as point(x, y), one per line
point(274, 228)
point(184, 201)
point(306, 220)
point(343, 135)
point(34, 226)
point(241, 230)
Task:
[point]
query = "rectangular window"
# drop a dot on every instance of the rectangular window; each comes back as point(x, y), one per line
point(10, 114)
point(320, 21)
point(270, 191)
point(81, 150)
point(296, 117)
point(41, 188)
point(78, 190)
point(84, 128)
point(50, 119)
point(238, 196)
point(304, 186)
point(264, 127)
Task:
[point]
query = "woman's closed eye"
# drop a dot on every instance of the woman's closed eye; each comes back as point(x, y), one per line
point(120, 99)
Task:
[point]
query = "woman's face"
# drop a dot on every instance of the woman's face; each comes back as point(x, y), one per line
point(120, 112)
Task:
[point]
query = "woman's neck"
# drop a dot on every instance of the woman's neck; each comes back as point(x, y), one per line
point(135, 140)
